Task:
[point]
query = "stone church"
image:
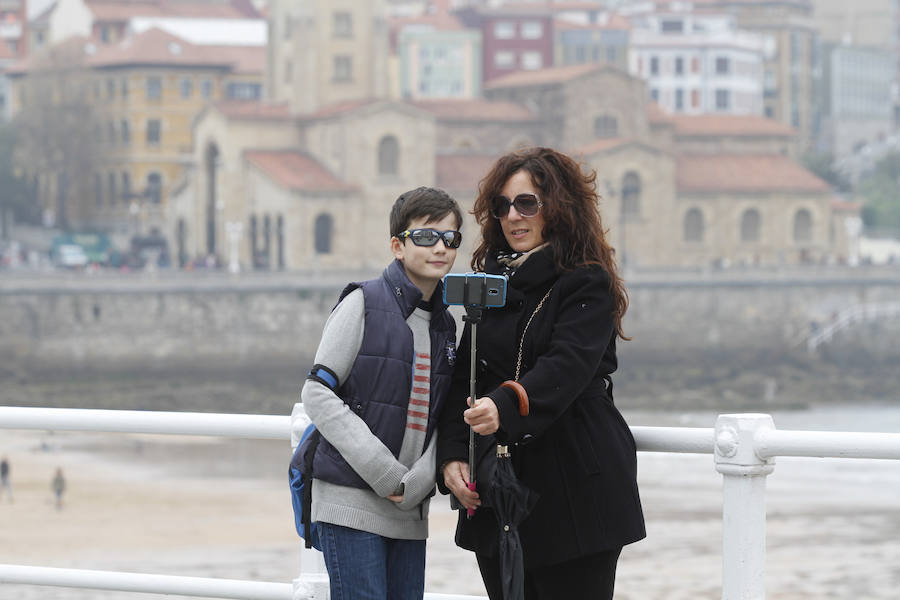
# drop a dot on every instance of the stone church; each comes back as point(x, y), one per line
point(306, 178)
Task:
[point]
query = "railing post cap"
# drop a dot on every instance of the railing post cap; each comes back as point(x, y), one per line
point(735, 443)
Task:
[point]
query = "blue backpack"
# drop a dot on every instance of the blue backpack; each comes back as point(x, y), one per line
point(300, 478)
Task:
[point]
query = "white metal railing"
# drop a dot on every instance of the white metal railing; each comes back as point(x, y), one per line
point(858, 313)
point(743, 446)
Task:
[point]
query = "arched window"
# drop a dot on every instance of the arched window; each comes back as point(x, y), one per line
point(154, 187)
point(388, 155)
point(693, 225)
point(750, 225)
point(606, 126)
point(324, 226)
point(802, 226)
point(631, 195)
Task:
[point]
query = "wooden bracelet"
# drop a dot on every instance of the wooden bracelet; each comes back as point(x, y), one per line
point(521, 394)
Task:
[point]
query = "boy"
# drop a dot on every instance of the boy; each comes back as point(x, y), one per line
point(381, 372)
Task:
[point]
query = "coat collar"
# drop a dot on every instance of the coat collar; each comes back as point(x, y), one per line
point(407, 294)
point(536, 272)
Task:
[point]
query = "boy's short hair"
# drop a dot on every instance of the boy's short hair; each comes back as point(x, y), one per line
point(433, 203)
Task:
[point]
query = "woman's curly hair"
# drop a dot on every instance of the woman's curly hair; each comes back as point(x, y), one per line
point(571, 211)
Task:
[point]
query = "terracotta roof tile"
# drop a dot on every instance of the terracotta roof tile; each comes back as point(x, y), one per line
point(475, 110)
point(243, 59)
point(123, 10)
point(252, 109)
point(158, 47)
point(745, 173)
point(600, 146)
point(549, 76)
point(337, 108)
point(440, 22)
point(749, 125)
point(462, 171)
point(297, 170)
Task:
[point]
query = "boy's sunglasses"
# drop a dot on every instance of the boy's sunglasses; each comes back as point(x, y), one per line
point(526, 205)
point(430, 237)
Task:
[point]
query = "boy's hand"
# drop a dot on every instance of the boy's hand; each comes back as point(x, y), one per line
point(456, 476)
point(483, 417)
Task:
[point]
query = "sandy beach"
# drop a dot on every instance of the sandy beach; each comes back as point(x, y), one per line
point(220, 508)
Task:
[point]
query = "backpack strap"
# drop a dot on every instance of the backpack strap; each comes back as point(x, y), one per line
point(307, 485)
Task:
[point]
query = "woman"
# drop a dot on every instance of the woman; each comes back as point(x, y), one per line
point(556, 336)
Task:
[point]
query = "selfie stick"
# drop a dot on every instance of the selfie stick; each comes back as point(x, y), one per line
point(474, 310)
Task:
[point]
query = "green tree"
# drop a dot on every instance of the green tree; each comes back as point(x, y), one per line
point(822, 164)
point(880, 191)
point(16, 201)
point(57, 128)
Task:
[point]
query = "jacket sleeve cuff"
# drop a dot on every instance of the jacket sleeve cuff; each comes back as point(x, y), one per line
point(507, 403)
point(385, 485)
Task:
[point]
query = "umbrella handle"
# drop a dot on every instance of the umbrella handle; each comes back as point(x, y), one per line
point(521, 395)
point(470, 512)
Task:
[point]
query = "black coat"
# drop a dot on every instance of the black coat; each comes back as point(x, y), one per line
point(574, 448)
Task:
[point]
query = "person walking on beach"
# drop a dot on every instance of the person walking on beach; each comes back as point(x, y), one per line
point(59, 486)
point(5, 484)
point(552, 347)
point(381, 372)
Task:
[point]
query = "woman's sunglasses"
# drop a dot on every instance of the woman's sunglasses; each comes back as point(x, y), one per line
point(526, 205)
point(430, 237)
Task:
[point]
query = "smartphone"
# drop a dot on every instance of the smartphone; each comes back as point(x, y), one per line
point(475, 289)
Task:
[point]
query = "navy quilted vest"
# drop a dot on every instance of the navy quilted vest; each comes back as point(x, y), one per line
point(379, 384)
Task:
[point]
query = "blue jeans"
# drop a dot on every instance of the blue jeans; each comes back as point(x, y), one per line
point(367, 566)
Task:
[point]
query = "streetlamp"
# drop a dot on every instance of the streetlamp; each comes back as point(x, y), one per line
point(234, 230)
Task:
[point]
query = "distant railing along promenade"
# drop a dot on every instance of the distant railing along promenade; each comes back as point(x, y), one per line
point(743, 445)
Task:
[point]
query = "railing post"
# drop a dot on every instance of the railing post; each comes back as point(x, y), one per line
point(312, 584)
point(744, 504)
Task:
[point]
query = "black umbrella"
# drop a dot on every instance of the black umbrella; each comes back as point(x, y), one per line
point(511, 501)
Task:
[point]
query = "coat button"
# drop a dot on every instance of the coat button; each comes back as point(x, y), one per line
point(506, 528)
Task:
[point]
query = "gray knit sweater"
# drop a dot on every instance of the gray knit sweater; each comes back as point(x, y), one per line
point(369, 509)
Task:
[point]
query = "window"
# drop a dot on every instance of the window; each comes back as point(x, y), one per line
point(123, 88)
point(695, 98)
point(153, 132)
point(288, 71)
point(672, 26)
point(112, 132)
point(388, 155)
point(504, 59)
point(654, 65)
point(750, 225)
point(187, 88)
point(154, 187)
point(611, 54)
point(322, 233)
point(111, 179)
point(343, 68)
point(722, 99)
point(695, 65)
point(126, 185)
point(679, 65)
point(654, 94)
point(206, 89)
point(631, 195)
point(504, 30)
point(243, 90)
point(693, 225)
point(98, 189)
point(154, 88)
point(679, 100)
point(532, 30)
point(343, 25)
point(110, 89)
point(606, 126)
point(532, 60)
point(126, 132)
point(288, 27)
point(722, 65)
point(802, 226)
